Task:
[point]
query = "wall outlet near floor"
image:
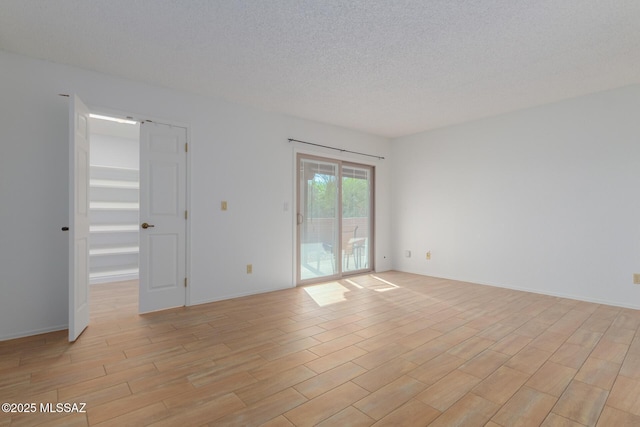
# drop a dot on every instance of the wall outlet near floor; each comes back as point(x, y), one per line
point(249, 268)
point(429, 255)
point(636, 278)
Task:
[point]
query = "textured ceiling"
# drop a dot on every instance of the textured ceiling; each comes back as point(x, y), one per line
point(386, 67)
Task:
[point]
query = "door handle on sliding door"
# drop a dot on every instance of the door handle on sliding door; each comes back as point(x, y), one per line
point(300, 218)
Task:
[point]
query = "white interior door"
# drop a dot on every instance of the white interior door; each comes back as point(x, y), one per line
point(163, 185)
point(78, 217)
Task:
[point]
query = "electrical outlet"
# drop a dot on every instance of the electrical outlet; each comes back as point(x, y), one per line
point(223, 205)
point(249, 268)
point(636, 279)
point(429, 255)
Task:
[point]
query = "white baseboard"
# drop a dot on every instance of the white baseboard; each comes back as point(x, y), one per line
point(242, 294)
point(34, 332)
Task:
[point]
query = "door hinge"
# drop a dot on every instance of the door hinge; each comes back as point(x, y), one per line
point(185, 282)
point(186, 147)
point(186, 215)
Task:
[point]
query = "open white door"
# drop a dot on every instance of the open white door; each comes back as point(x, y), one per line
point(163, 186)
point(78, 217)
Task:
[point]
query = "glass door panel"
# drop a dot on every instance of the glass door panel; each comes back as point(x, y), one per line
point(356, 217)
point(318, 218)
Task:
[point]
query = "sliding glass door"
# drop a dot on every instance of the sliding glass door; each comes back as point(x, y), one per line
point(334, 219)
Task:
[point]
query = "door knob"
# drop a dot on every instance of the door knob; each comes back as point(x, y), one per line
point(145, 225)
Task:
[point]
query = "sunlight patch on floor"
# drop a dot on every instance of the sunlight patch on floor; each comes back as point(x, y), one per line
point(352, 283)
point(388, 286)
point(327, 293)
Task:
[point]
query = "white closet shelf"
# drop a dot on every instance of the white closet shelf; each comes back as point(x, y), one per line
point(114, 172)
point(118, 168)
point(114, 206)
point(114, 228)
point(112, 183)
point(114, 250)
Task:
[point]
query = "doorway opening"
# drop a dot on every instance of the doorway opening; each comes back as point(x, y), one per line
point(121, 197)
point(335, 218)
point(114, 203)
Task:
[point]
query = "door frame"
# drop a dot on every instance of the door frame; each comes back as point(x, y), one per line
point(144, 117)
point(341, 160)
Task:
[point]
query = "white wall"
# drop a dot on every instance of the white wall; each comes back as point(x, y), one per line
point(546, 199)
point(116, 151)
point(238, 154)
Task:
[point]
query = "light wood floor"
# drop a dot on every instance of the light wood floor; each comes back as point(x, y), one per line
point(382, 349)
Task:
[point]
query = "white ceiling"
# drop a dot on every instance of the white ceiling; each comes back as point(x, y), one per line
point(387, 67)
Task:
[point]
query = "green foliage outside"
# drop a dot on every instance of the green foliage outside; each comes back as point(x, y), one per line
point(322, 199)
point(355, 198)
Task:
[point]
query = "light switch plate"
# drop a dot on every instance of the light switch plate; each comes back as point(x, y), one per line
point(223, 205)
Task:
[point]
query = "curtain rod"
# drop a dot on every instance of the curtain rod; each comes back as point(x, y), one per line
point(342, 150)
